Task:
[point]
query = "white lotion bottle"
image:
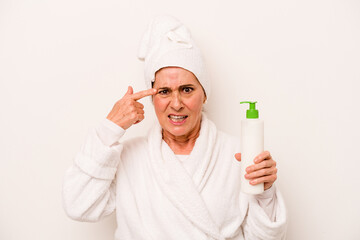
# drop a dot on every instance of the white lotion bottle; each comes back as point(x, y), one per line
point(252, 144)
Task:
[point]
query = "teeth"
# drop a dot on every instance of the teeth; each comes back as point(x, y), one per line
point(177, 118)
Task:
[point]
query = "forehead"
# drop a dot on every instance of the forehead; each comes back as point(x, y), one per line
point(173, 77)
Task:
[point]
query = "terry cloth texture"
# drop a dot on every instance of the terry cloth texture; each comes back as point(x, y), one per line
point(156, 197)
point(167, 42)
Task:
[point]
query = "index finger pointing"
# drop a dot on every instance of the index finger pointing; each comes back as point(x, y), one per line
point(144, 93)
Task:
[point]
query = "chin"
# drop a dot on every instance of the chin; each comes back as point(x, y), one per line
point(177, 131)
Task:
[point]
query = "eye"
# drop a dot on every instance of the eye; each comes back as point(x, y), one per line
point(188, 89)
point(163, 92)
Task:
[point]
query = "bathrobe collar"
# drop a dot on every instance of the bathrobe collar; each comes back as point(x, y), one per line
point(183, 190)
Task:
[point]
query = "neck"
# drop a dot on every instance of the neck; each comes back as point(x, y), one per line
point(182, 145)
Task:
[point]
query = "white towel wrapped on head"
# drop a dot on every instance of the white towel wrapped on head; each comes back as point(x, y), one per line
point(167, 42)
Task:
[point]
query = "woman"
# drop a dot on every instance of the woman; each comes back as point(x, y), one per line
point(182, 181)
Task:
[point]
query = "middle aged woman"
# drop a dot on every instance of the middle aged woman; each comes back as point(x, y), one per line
point(182, 181)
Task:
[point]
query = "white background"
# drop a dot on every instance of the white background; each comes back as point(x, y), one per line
point(63, 64)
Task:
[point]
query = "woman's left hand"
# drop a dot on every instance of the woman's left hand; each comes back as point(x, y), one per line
point(263, 171)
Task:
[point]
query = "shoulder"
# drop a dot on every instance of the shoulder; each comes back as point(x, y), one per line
point(228, 138)
point(134, 149)
point(134, 152)
point(222, 136)
point(135, 145)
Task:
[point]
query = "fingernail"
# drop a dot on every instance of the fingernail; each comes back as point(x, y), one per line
point(253, 182)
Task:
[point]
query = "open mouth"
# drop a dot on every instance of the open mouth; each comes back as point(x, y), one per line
point(177, 118)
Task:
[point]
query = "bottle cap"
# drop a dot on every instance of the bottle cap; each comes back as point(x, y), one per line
point(252, 112)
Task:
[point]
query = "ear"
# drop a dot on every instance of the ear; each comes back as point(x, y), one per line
point(205, 98)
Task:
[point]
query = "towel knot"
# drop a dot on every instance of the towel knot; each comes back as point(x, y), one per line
point(177, 38)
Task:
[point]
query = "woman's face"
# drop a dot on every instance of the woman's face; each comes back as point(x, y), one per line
point(178, 102)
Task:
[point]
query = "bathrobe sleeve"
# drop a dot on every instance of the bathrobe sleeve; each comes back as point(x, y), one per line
point(262, 222)
point(267, 201)
point(89, 184)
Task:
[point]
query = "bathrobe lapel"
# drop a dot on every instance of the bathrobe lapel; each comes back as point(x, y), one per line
point(181, 189)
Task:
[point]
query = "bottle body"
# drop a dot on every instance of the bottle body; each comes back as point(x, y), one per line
point(252, 144)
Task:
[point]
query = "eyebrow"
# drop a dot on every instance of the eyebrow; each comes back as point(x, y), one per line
point(181, 86)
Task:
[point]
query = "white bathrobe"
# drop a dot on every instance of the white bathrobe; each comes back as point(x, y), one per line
point(158, 197)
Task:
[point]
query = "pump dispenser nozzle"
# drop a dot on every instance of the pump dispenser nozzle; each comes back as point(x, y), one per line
point(252, 112)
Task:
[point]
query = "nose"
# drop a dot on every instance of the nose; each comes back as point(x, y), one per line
point(176, 102)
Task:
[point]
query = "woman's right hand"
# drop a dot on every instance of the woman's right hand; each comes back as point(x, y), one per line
point(127, 111)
